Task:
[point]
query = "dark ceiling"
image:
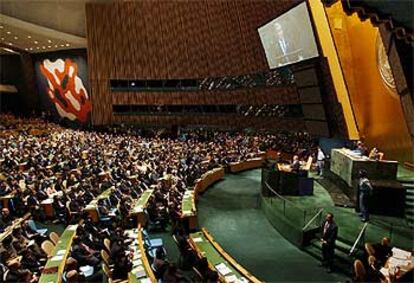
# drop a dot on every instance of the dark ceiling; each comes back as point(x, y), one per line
point(402, 11)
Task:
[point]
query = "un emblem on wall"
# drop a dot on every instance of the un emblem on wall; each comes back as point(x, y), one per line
point(383, 65)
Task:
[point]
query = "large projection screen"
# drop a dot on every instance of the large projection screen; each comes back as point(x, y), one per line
point(289, 38)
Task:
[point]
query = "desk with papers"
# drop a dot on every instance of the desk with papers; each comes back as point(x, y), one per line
point(55, 265)
point(228, 269)
point(140, 205)
point(141, 269)
point(188, 207)
point(399, 267)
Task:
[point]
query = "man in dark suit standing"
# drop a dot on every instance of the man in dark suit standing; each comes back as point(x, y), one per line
point(285, 47)
point(329, 235)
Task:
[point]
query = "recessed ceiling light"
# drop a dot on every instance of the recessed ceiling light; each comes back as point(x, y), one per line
point(8, 32)
point(16, 37)
point(26, 49)
point(56, 45)
point(49, 41)
point(2, 38)
point(49, 46)
point(31, 48)
point(67, 44)
point(43, 47)
point(1, 26)
point(10, 43)
point(29, 36)
point(62, 45)
point(36, 42)
point(38, 47)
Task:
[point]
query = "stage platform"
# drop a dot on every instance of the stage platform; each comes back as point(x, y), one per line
point(290, 215)
point(300, 209)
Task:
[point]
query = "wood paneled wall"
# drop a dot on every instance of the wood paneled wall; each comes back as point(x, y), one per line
point(177, 39)
point(281, 95)
point(219, 120)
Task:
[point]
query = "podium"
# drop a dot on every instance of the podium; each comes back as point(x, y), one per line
point(347, 165)
point(286, 183)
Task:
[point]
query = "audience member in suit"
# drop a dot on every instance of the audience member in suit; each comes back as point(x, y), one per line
point(373, 275)
point(6, 219)
point(202, 267)
point(172, 275)
point(18, 204)
point(383, 250)
point(59, 208)
point(329, 234)
point(122, 266)
point(295, 164)
point(213, 277)
point(159, 263)
point(21, 243)
point(31, 261)
point(34, 205)
point(18, 274)
point(5, 189)
point(30, 234)
point(83, 255)
point(103, 210)
point(7, 250)
point(117, 248)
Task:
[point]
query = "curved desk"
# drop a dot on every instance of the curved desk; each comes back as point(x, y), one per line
point(9, 229)
point(55, 265)
point(248, 164)
point(228, 269)
point(140, 205)
point(188, 207)
point(141, 269)
point(92, 207)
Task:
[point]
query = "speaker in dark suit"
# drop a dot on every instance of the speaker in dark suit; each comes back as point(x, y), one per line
point(329, 231)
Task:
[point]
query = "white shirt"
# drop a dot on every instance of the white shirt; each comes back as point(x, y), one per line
point(321, 155)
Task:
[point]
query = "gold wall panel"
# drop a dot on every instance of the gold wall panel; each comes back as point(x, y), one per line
point(377, 107)
point(327, 44)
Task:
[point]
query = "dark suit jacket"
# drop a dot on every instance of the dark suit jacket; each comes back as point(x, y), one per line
point(295, 166)
point(382, 253)
point(331, 234)
point(289, 55)
point(373, 275)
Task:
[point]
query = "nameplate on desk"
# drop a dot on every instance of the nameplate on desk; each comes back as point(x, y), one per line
point(198, 240)
point(139, 272)
point(223, 269)
point(57, 258)
point(61, 252)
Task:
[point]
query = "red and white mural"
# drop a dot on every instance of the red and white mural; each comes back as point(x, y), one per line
point(66, 89)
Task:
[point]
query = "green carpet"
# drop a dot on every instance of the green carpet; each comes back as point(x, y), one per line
point(229, 210)
point(405, 175)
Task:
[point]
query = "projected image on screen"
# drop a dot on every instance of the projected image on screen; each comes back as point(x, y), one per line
point(289, 38)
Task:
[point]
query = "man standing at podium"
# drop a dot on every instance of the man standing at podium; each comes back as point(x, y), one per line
point(329, 235)
point(286, 51)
